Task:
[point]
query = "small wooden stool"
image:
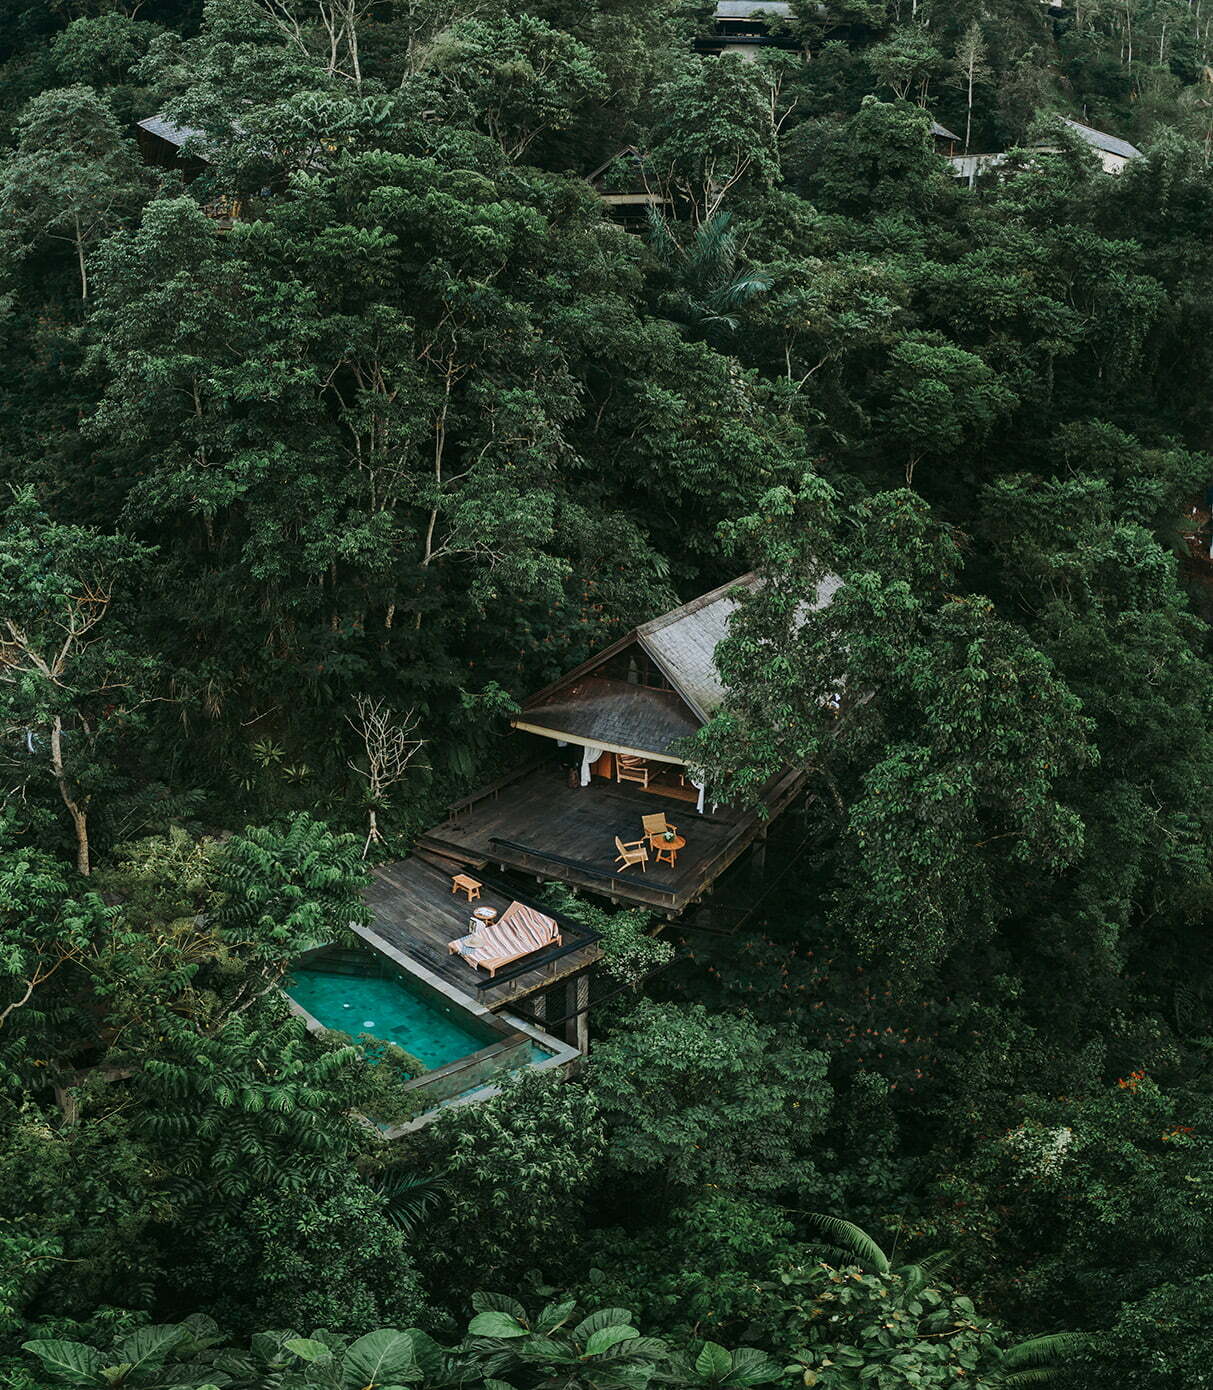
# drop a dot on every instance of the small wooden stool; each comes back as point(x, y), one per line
point(469, 886)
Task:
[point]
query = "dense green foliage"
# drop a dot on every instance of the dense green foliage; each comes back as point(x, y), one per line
point(423, 426)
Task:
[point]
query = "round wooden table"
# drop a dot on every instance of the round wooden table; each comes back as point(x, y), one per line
point(666, 851)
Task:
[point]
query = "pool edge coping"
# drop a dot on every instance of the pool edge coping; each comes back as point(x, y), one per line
point(563, 1054)
point(464, 1001)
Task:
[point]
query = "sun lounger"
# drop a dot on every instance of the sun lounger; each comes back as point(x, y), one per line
point(519, 931)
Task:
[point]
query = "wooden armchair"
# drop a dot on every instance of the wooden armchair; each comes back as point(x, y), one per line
point(629, 854)
point(657, 825)
point(630, 769)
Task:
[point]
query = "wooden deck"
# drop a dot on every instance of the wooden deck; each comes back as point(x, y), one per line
point(535, 822)
point(414, 911)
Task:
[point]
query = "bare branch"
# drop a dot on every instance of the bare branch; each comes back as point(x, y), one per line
point(389, 748)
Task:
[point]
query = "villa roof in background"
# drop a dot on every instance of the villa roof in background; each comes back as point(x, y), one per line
point(164, 129)
point(1102, 141)
point(743, 9)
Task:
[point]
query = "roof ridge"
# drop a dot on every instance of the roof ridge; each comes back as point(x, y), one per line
point(695, 604)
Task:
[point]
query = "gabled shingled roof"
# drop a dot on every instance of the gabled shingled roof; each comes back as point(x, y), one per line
point(683, 644)
point(587, 706)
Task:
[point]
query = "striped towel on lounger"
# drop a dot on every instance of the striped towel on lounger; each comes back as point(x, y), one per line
point(517, 932)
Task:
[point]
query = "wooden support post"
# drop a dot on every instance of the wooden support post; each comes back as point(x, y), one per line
point(577, 997)
point(758, 856)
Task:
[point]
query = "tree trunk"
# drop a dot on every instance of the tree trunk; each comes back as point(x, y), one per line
point(80, 260)
point(74, 809)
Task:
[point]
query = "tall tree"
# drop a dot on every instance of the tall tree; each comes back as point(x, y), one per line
point(72, 177)
point(971, 66)
point(940, 732)
point(71, 677)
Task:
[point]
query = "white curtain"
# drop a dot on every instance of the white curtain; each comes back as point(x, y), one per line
point(699, 787)
point(589, 757)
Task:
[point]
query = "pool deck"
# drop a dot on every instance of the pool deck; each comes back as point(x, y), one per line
point(414, 913)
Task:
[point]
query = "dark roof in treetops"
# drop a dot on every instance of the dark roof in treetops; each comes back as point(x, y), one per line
point(941, 132)
point(682, 645)
point(603, 711)
point(1102, 141)
point(629, 155)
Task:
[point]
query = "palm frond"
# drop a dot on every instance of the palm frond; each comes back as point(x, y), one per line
point(661, 239)
point(917, 1276)
point(1043, 1351)
point(846, 1236)
point(1035, 1375)
point(701, 320)
point(714, 247)
point(740, 289)
point(411, 1198)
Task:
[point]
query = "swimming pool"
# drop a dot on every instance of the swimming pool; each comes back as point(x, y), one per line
point(390, 1007)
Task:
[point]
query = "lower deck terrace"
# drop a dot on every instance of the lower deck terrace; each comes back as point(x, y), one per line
point(535, 822)
point(414, 913)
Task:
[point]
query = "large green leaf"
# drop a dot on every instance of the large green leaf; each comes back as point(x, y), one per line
point(150, 1345)
point(652, 1347)
point(200, 1329)
point(428, 1355)
point(81, 1365)
point(541, 1348)
point(498, 1303)
point(714, 1362)
point(607, 1337)
point(379, 1358)
point(753, 1367)
point(308, 1348)
point(554, 1315)
point(604, 1317)
point(496, 1324)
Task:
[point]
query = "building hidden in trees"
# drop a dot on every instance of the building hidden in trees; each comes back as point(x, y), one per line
point(745, 27)
point(600, 764)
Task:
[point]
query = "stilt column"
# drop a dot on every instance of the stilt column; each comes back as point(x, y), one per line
point(577, 1029)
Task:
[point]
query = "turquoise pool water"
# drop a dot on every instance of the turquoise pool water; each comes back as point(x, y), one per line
point(391, 1009)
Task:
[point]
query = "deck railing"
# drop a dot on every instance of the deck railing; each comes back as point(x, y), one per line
point(492, 789)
